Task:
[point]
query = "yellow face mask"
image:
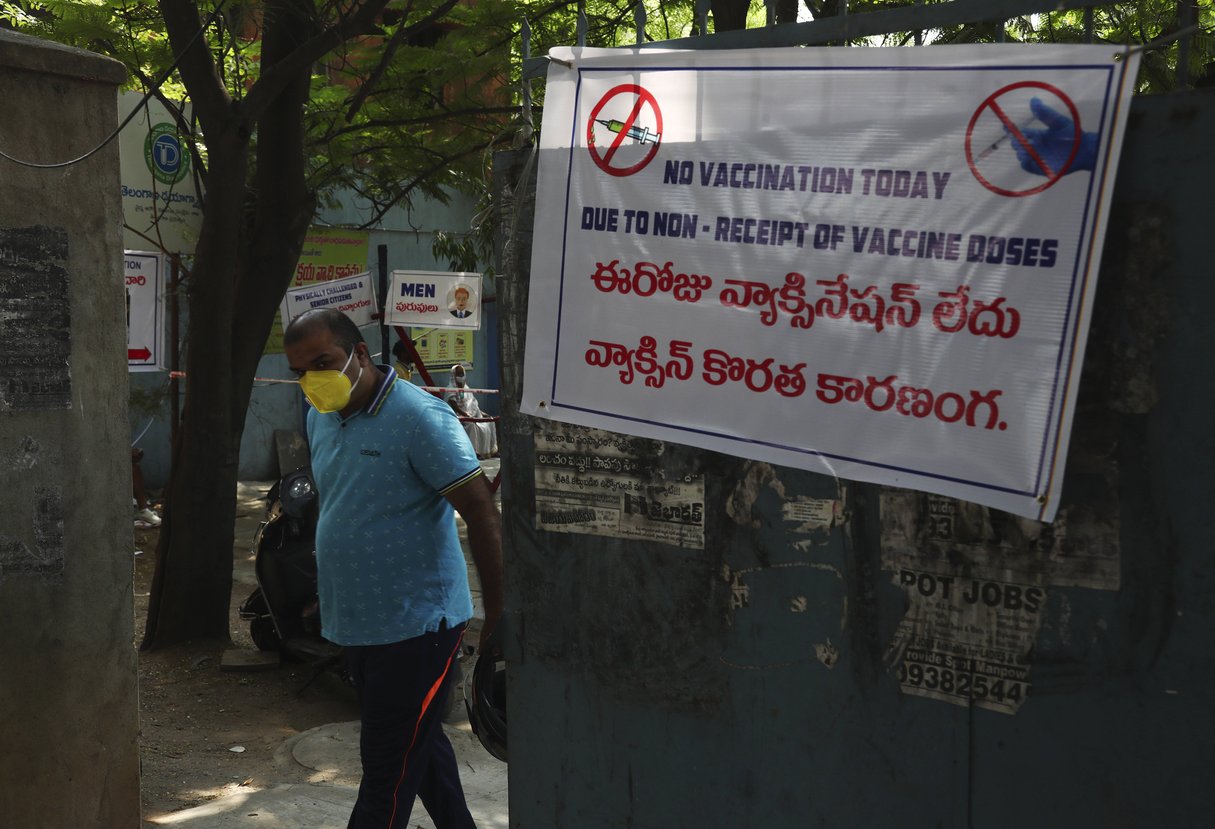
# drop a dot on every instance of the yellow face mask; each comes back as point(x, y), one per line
point(329, 391)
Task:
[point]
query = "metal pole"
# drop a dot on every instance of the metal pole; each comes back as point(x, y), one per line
point(174, 351)
point(639, 17)
point(525, 35)
point(382, 264)
point(580, 26)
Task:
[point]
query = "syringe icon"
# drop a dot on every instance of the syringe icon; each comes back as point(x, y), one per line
point(995, 145)
point(642, 135)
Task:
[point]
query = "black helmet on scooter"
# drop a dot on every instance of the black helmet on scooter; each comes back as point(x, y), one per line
point(485, 697)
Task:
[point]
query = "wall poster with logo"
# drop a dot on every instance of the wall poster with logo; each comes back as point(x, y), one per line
point(161, 208)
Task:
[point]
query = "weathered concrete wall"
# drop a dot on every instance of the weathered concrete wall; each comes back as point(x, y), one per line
point(68, 706)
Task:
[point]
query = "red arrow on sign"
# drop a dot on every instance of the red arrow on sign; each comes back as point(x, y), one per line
point(138, 354)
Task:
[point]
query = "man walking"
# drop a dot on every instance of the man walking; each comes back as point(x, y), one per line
point(390, 462)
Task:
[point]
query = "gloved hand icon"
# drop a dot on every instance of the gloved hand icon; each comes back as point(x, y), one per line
point(1054, 143)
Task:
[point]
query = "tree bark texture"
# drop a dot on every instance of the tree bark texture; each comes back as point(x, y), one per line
point(248, 246)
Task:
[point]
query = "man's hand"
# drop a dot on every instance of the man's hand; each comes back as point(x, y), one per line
point(476, 506)
point(1054, 144)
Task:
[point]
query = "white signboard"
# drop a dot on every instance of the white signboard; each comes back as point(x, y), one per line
point(874, 263)
point(353, 295)
point(160, 204)
point(434, 299)
point(144, 274)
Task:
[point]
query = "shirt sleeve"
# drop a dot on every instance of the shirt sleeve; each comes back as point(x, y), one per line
point(442, 454)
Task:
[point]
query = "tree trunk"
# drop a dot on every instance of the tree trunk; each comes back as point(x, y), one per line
point(247, 250)
point(192, 586)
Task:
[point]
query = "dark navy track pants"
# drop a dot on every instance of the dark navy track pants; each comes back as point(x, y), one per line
point(402, 688)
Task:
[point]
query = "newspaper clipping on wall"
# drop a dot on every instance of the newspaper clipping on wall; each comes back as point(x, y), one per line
point(977, 582)
point(602, 483)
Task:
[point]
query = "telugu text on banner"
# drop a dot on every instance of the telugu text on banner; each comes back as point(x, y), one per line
point(874, 263)
point(328, 253)
point(354, 296)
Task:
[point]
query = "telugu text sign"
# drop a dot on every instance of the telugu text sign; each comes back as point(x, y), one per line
point(143, 277)
point(328, 253)
point(354, 296)
point(885, 277)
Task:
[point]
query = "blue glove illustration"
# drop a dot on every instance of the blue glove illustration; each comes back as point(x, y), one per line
point(1054, 143)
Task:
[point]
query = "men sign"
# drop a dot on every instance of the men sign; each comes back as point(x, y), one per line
point(434, 299)
point(886, 276)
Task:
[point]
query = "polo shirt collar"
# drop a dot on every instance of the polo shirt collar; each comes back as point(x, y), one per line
point(388, 379)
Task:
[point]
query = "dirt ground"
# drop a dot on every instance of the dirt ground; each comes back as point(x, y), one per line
point(195, 717)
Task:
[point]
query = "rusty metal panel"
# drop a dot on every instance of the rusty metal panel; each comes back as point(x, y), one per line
point(701, 640)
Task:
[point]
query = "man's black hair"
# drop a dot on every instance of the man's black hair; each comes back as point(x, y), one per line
point(345, 332)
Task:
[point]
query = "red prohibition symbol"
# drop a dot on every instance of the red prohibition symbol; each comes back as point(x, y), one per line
point(1015, 134)
point(636, 99)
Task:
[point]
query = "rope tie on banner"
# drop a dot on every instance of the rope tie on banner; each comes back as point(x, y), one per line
point(1158, 42)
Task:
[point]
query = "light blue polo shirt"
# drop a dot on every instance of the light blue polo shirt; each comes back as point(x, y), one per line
point(388, 556)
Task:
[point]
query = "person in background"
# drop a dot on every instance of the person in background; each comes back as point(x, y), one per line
point(145, 516)
point(483, 435)
point(402, 364)
point(390, 463)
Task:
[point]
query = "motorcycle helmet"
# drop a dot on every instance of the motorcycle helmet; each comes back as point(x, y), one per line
point(485, 697)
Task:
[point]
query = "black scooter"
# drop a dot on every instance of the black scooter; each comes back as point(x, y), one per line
point(283, 612)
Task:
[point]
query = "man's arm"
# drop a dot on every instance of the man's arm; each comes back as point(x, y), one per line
point(475, 504)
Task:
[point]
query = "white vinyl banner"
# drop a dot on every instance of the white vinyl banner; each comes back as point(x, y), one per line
point(143, 273)
point(873, 263)
point(352, 295)
point(434, 299)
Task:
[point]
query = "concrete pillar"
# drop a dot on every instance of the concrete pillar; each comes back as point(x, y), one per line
point(68, 697)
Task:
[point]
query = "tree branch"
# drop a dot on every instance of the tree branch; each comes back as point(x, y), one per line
point(421, 177)
point(377, 123)
point(195, 64)
point(276, 77)
point(390, 50)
